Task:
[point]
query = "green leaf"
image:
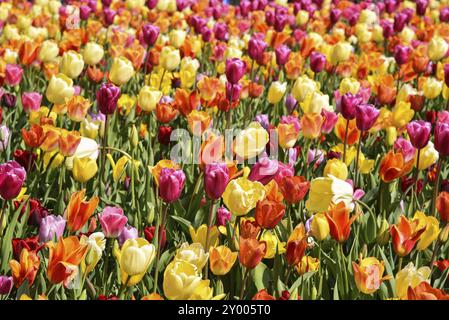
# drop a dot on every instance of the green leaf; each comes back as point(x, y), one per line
point(185, 224)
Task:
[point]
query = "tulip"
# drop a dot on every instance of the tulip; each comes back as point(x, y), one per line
point(249, 229)
point(96, 244)
point(424, 291)
point(221, 260)
point(241, 195)
point(432, 230)
point(4, 137)
point(51, 228)
point(150, 34)
point(192, 253)
point(223, 216)
point(410, 277)
point(112, 221)
point(134, 258)
point(366, 116)
point(276, 92)
point(269, 213)
point(336, 168)
point(48, 51)
point(25, 269)
point(368, 275)
point(6, 284)
point(340, 222)
point(128, 232)
point(295, 251)
point(294, 189)
point(72, 64)
point(432, 88)
point(251, 141)
point(93, 53)
point(85, 12)
point(404, 235)
point(402, 54)
point(79, 211)
point(109, 16)
point(200, 234)
point(288, 134)
point(263, 295)
point(31, 101)
point(441, 138)
point(442, 205)
point(9, 100)
point(419, 132)
point(30, 244)
point(171, 183)
point(177, 37)
point(12, 177)
point(13, 74)
point(148, 98)
point(107, 97)
point(444, 14)
point(326, 191)
point(180, 280)
point(235, 70)
point(340, 52)
point(169, 58)
point(317, 61)
point(394, 166)
point(282, 54)
point(149, 233)
point(59, 88)
point(216, 178)
point(319, 228)
point(121, 71)
point(349, 102)
point(437, 48)
point(307, 264)
point(251, 252)
point(221, 31)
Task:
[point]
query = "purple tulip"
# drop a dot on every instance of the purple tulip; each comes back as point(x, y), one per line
point(128, 232)
point(335, 15)
point(400, 20)
point(171, 183)
point(365, 116)
point(421, 7)
point(315, 155)
point(406, 148)
point(12, 177)
point(280, 21)
point(390, 6)
point(290, 103)
point(112, 220)
point(317, 61)
point(442, 138)
point(221, 31)
point(150, 33)
point(51, 227)
point(282, 54)
point(223, 216)
point(109, 16)
point(206, 34)
point(330, 119)
point(264, 170)
point(444, 14)
point(85, 12)
point(263, 120)
point(216, 178)
point(402, 54)
point(106, 3)
point(419, 133)
point(31, 101)
point(151, 4)
point(6, 284)
point(107, 97)
point(387, 28)
point(9, 100)
point(348, 103)
point(256, 48)
point(233, 91)
point(235, 70)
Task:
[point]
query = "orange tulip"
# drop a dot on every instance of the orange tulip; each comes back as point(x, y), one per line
point(34, 137)
point(198, 121)
point(288, 135)
point(404, 235)
point(249, 229)
point(221, 260)
point(79, 211)
point(273, 192)
point(26, 268)
point(340, 222)
point(353, 132)
point(64, 259)
point(269, 213)
point(311, 125)
point(263, 295)
point(424, 291)
point(393, 166)
point(212, 150)
point(28, 52)
point(51, 140)
point(68, 142)
point(165, 112)
point(186, 101)
point(95, 74)
point(77, 108)
point(443, 205)
point(251, 252)
point(294, 189)
point(255, 90)
point(208, 88)
point(295, 251)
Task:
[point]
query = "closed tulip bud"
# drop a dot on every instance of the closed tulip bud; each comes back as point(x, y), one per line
point(216, 178)
point(12, 177)
point(432, 88)
point(221, 31)
point(150, 34)
point(177, 37)
point(149, 233)
point(282, 55)
point(13, 74)
point(419, 133)
point(6, 284)
point(444, 14)
point(335, 15)
point(128, 232)
point(295, 251)
point(317, 61)
point(84, 169)
point(235, 70)
point(48, 51)
point(164, 134)
point(93, 53)
point(107, 97)
point(9, 100)
point(85, 12)
point(121, 71)
point(319, 228)
point(223, 216)
point(442, 205)
point(171, 183)
point(441, 138)
point(59, 88)
point(72, 64)
point(402, 54)
point(340, 52)
point(366, 116)
point(383, 234)
point(256, 48)
point(148, 98)
point(276, 91)
point(109, 16)
point(444, 234)
point(134, 137)
point(349, 102)
point(169, 58)
point(112, 220)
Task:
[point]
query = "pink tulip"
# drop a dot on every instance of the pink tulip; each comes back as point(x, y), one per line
point(112, 221)
point(31, 101)
point(13, 74)
point(171, 183)
point(419, 132)
point(365, 116)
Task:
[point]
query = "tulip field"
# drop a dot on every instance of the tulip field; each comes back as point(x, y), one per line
point(216, 150)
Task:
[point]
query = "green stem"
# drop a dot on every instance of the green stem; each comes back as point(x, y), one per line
point(158, 256)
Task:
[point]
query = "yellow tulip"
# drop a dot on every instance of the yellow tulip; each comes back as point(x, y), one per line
point(193, 253)
point(340, 52)
point(84, 169)
point(169, 58)
point(36, 116)
point(125, 103)
point(89, 128)
point(351, 152)
point(337, 168)
point(302, 87)
point(203, 291)
point(72, 64)
point(365, 165)
point(319, 227)
point(392, 135)
point(410, 277)
point(95, 243)
point(250, 142)
point(188, 72)
point(437, 48)
point(432, 88)
point(118, 167)
point(368, 274)
point(273, 244)
point(121, 71)
point(432, 226)
point(180, 280)
point(349, 85)
point(148, 98)
point(402, 114)
point(93, 53)
point(427, 157)
point(199, 235)
point(276, 91)
point(59, 88)
point(221, 260)
point(177, 37)
point(302, 17)
point(48, 51)
point(55, 157)
point(134, 258)
point(241, 195)
point(315, 102)
point(307, 264)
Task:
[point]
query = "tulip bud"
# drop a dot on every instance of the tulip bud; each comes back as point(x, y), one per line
point(107, 97)
point(134, 137)
point(444, 234)
point(383, 234)
point(216, 178)
point(171, 183)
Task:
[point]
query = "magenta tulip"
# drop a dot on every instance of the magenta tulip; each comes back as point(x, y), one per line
point(317, 61)
point(365, 116)
point(112, 221)
point(282, 55)
point(107, 97)
point(6, 284)
point(419, 133)
point(31, 101)
point(171, 183)
point(349, 102)
point(150, 33)
point(216, 178)
point(13, 74)
point(12, 177)
point(402, 54)
point(442, 138)
point(223, 216)
point(235, 70)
